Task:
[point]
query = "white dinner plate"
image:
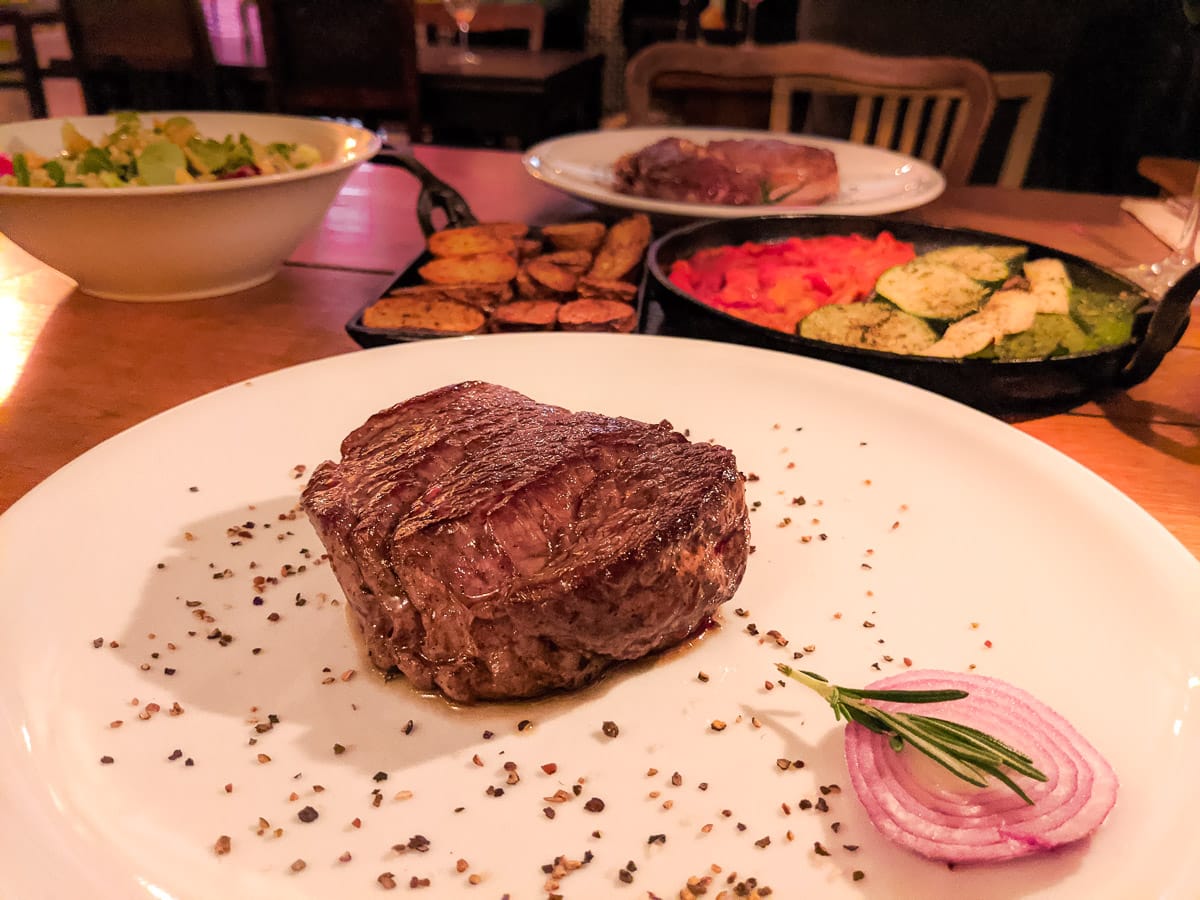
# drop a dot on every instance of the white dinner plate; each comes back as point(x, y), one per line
point(874, 181)
point(959, 539)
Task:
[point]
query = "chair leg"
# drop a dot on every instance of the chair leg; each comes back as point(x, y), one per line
point(30, 72)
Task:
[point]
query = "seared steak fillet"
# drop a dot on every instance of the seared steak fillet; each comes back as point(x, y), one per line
point(492, 547)
point(733, 172)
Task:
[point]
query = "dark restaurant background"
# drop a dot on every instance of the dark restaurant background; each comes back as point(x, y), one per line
point(1126, 72)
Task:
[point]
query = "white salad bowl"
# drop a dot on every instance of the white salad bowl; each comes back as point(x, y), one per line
point(179, 242)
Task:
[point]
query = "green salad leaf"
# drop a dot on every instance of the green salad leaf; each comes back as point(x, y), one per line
point(159, 162)
point(213, 155)
point(95, 160)
point(21, 169)
point(242, 155)
point(55, 170)
point(59, 175)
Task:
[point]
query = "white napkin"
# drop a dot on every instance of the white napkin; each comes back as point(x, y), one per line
point(1163, 218)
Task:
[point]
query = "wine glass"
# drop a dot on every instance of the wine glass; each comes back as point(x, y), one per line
point(682, 25)
point(751, 11)
point(463, 13)
point(1155, 278)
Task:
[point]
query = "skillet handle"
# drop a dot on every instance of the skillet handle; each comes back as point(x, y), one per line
point(1165, 329)
point(435, 193)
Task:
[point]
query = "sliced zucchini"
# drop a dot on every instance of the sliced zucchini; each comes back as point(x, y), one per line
point(1050, 284)
point(971, 260)
point(931, 290)
point(1006, 312)
point(965, 337)
point(874, 326)
point(1012, 311)
point(1052, 334)
point(1009, 254)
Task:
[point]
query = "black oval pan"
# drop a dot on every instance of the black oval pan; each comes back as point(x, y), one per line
point(993, 385)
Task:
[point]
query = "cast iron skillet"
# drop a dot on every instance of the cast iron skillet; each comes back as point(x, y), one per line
point(993, 385)
point(435, 195)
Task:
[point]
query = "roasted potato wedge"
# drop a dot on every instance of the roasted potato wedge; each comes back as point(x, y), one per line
point(487, 268)
point(578, 261)
point(526, 287)
point(575, 235)
point(597, 315)
point(623, 248)
point(555, 278)
point(589, 288)
point(424, 315)
point(514, 230)
point(469, 241)
point(528, 248)
point(525, 315)
point(484, 296)
point(503, 276)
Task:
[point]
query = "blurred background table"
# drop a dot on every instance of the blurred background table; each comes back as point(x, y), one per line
point(525, 95)
point(512, 94)
point(75, 370)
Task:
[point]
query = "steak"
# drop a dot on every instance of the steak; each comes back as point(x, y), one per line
point(492, 547)
point(730, 172)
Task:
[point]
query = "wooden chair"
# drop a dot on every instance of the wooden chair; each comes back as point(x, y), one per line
point(937, 108)
point(1174, 177)
point(489, 17)
point(21, 70)
point(1030, 91)
point(352, 58)
point(141, 54)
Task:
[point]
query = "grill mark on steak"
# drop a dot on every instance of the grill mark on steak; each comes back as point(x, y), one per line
point(493, 547)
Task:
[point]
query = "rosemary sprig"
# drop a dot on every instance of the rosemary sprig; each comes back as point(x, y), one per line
point(966, 752)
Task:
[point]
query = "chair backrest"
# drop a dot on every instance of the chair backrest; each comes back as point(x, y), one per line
point(1173, 176)
point(137, 35)
point(936, 108)
point(528, 17)
point(141, 54)
point(353, 58)
point(22, 70)
point(1031, 91)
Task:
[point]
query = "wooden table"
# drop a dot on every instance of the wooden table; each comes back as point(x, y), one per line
point(90, 368)
point(528, 96)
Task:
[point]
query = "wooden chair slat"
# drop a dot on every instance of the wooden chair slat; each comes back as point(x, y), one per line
point(780, 70)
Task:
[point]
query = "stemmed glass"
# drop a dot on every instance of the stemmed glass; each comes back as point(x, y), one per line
point(1155, 278)
point(751, 12)
point(463, 12)
point(681, 24)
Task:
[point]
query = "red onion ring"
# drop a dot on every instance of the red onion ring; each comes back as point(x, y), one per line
point(966, 824)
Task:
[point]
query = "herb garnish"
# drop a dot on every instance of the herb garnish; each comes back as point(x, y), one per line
point(965, 752)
